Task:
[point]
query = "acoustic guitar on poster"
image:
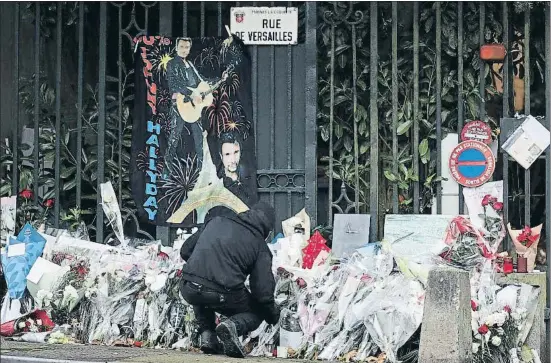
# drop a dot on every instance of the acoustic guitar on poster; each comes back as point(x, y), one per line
point(191, 112)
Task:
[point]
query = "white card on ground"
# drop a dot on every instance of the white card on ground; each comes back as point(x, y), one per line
point(16, 250)
point(41, 267)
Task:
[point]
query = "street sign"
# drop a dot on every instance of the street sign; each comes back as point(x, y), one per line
point(477, 130)
point(472, 163)
point(265, 25)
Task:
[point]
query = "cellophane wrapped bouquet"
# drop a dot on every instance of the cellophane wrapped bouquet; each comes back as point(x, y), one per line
point(353, 309)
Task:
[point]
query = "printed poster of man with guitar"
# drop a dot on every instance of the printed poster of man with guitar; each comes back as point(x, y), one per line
point(192, 96)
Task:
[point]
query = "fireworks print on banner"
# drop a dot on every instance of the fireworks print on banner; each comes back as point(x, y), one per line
point(176, 147)
point(181, 181)
point(227, 116)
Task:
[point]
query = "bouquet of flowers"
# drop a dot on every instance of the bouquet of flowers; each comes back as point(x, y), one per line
point(526, 243)
point(469, 246)
point(501, 323)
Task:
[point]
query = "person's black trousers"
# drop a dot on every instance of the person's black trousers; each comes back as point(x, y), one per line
point(237, 305)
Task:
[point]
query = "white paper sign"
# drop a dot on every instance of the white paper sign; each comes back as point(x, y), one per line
point(528, 142)
point(474, 196)
point(16, 250)
point(265, 25)
point(417, 234)
point(40, 267)
point(7, 216)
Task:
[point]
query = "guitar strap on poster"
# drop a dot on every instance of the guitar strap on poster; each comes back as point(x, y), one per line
point(178, 186)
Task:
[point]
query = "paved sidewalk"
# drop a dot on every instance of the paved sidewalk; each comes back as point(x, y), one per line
point(18, 352)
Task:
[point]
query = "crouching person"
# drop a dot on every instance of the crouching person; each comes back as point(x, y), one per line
point(220, 256)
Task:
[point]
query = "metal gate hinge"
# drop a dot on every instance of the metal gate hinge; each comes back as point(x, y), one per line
point(547, 314)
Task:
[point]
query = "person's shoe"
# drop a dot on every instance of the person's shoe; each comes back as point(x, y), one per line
point(227, 332)
point(209, 343)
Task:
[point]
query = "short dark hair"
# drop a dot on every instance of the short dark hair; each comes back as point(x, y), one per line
point(227, 138)
point(178, 40)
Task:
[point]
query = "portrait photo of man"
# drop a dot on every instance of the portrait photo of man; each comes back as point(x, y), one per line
point(235, 174)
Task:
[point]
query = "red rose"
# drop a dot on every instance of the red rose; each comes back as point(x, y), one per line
point(178, 273)
point(301, 283)
point(507, 309)
point(26, 194)
point(486, 200)
point(498, 206)
point(474, 306)
point(163, 256)
point(483, 329)
point(49, 203)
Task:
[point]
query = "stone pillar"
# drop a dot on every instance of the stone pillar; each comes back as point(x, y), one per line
point(446, 328)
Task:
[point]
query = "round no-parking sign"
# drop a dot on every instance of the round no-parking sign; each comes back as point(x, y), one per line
point(472, 163)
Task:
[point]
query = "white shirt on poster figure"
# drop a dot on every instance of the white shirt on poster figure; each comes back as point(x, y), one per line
point(474, 196)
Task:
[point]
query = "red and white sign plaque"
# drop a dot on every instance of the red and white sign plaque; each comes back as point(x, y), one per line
point(477, 130)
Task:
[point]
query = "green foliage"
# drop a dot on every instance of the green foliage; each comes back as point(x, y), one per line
point(344, 88)
point(114, 117)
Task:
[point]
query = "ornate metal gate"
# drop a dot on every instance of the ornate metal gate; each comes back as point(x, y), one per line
point(85, 94)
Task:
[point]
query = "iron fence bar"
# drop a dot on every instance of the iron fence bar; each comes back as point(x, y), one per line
point(416, 207)
point(272, 104)
point(506, 111)
point(184, 30)
point(331, 121)
point(355, 121)
point(311, 130)
point(527, 76)
point(548, 163)
point(289, 115)
point(460, 101)
point(58, 136)
point(439, 104)
point(15, 146)
point(101, 115)
point(374, 123)
point(482, 80)
point(202, 19)
point(36, 147)
point(254, 89)
point(165, 28)
point(394, 104)
point(119, 84)
point(80, 86)
point(219, 4)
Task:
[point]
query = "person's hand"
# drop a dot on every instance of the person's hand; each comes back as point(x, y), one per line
point(196, 97)
point(272, 314)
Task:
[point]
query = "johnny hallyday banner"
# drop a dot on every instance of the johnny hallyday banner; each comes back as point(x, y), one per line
point(193, 149)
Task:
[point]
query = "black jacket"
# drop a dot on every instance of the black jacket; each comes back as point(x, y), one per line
point(228, 248)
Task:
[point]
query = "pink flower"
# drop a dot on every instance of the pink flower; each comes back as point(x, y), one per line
point(486, 200)
point(483, 329)
point(507, 309)
point(498, 206)
point(26, 194)
point(301, 283)
point(474, 306)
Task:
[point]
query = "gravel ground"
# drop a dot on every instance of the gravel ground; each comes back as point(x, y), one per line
point(12, 352)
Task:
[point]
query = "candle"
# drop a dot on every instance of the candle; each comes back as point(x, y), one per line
point(507, 265)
